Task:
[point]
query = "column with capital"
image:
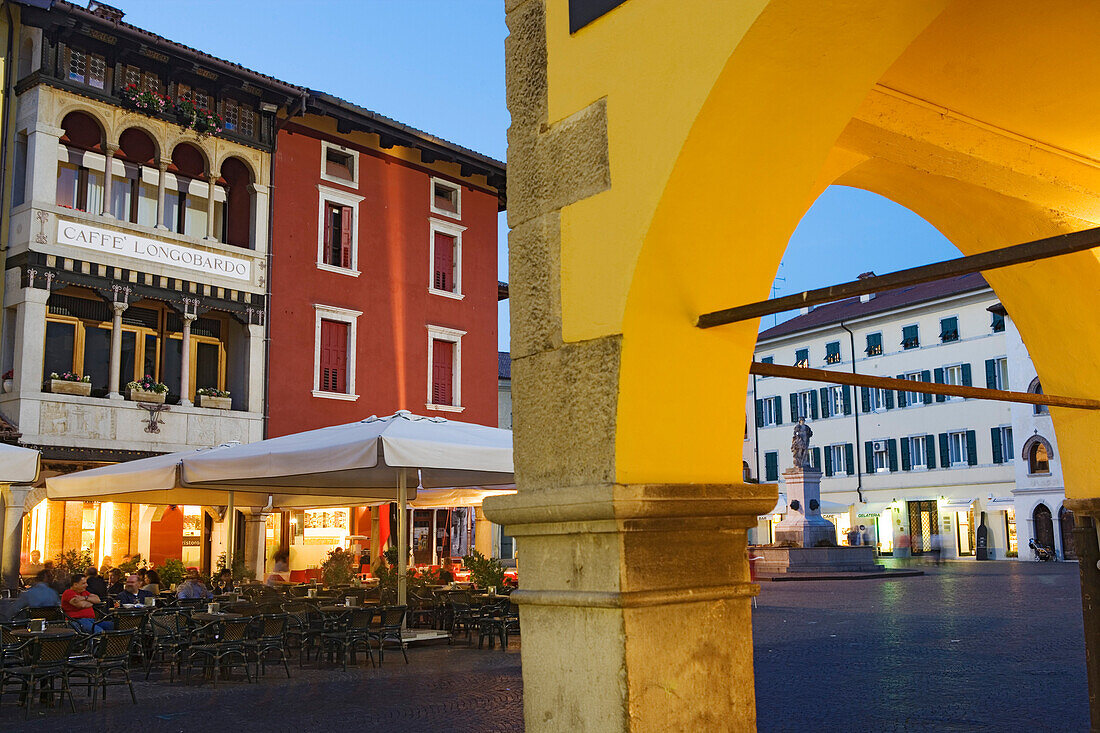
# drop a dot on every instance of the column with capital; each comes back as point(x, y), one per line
point(185, 357)
point(162, 168)
point(116, 349)
point(30, 334)
point(11, 540)
point(108, 175)
point(42, 145)
point(214, 175)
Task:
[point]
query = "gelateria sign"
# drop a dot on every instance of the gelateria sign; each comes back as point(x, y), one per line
point(152, 250)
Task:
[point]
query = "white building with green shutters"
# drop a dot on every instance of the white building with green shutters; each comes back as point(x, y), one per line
point(917, 471)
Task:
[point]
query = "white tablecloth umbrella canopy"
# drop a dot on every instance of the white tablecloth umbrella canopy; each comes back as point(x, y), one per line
point(359, 459)
point(18, 465)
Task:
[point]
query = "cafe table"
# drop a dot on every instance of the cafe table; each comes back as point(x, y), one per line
point(49, 633)
point(219, 616)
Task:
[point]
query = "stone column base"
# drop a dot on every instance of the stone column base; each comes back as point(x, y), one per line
point(635, 605)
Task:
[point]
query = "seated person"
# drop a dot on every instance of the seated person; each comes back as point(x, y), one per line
point(152, 582)
point(77, 602)
point(224, 582)
point(39, 595)
point(97, 586)
point(33, 566)
point(133, 593)
point(446, 573)
point(116, 584)
point(192, 587)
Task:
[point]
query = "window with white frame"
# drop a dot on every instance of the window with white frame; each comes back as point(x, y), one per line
point(953, 375)
point(1000, 373)
point(339, 164)
point(338, 231)
point(837, 458)
point(446, 198)
point(876, 399)
point(956, 447)
point(334, 352)
point(918, 451)
point(880, 457)
point(914, 398)
point(1002, 445)
point(444, 369)
point(803, 402)
point(445, 258)
point(770, 409)
point(836, 400)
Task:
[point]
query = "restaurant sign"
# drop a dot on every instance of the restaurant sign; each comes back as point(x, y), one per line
point(152, 250)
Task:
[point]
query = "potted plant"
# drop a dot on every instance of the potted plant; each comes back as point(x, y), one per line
point(484, 572)
point(147, 389)
point(196, 118)
point(338, 568)
point(69, 383)
point(144, 99)
point(213, 397)
point(9, 381)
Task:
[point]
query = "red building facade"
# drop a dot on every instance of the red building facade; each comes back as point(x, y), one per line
point(383, 273)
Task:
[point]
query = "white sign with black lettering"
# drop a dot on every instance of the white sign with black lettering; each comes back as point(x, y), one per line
point(151, 250)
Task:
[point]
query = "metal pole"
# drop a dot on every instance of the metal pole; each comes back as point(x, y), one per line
point(230, 531)
point(402, 536)
point(1088, 555)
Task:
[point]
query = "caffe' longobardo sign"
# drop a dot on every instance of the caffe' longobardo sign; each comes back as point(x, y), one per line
point(151, 250)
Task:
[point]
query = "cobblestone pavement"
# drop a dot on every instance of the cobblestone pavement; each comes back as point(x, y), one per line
point(992, 646)
point(967, 647)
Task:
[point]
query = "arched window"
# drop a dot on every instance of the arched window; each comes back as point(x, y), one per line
point(1038, 458)
point(133, 194)
point(185, 207)
point(237, 221)
point(80, 169)
point(1037, 388)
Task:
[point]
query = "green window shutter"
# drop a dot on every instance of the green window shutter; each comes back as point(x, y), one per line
point(902, 398)
point(826, 405)
point(778, 410)
point(828, 462)
point(971, 448)
point(889, 399)
point(939, 376)
point(967, 381)
point(995, 434)
point(869, 456)
point(930, 450)
point(813, 405)
point(760, 413)
point(945, 453)
point(794, 407)
point(906, 454)
point(892, 453)
point(771, 466)
point(850, 458)
point(926, 376)
point(847, 399)
point(865, 398)
point(991, 373)
point(815, 458)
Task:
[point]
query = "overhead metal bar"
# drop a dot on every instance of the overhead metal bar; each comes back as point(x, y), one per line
point(907, 385)
point(1017, 254)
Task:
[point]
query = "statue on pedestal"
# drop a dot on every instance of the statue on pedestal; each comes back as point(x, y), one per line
point(800, 444)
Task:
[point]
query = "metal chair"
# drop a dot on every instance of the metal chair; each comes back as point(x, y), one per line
point(303, 627)
point(227, 650)
point(48, 661)
point(270, 639)
point(49, 613)
point(389, 629)
point(168, 634)
point(110, 652)
point(493, 624)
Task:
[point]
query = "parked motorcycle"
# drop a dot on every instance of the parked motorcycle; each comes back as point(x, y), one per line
point(1042, 552)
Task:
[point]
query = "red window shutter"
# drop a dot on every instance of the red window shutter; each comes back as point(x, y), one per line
point(334, 356)
point(345, 236)
point(443, 278)
point(328, 234)
point(442, 372)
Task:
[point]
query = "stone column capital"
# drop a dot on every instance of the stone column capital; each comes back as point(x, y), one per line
point(112, 149)
point(119, 308)
point(162, 165)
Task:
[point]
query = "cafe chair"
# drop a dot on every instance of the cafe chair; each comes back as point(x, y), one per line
point(170, 637)
point(493, 624)
point(270, 639)
point(303, 628)
point(49, 613)
point(389, 629)
point(110, 652)
point(48, 661)
point(226, 650)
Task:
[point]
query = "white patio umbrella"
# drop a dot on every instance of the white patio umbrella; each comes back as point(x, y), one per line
point(18, 465)
point(365, 460)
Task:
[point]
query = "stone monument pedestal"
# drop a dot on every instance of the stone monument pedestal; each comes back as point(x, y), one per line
point(803, 524)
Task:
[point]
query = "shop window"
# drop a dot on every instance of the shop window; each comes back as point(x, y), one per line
point(874, 344)
point(1010, 532)
point(86, 68)
point(444, 369)
point(446, 198)
point(334, 352)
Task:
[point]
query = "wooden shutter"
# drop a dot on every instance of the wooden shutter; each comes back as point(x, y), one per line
point(828, 461)
point(345, 237)
point(815, 458)
point(794, 407)
point(869, 456)
point(971, 448)
point(760, 413)
point(998, 455)
point(826, 403)
point(902, 399)
point(930, 451)
point(967, 381)
point(940, 379)
point(328, 235)
point(443, 267)
point(991, 374)
point(778, 410)
point(889, 399)
point(813, 405)
point(892, 454)
point(771, 466)
point(865, 398)
point(945, 451)
point(442, 372)
point(907, 453)
point(850, 458)
point(334, 356)
point(926, 376)
point(847, 399)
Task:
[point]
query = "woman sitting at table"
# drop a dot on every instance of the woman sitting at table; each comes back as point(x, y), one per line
point(224, 582)
point(152, 582)
point(133, 594)
point(77, 603)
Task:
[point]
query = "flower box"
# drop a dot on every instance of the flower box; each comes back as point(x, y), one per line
point(141, 395)
point(64, 386)
point(217, 403)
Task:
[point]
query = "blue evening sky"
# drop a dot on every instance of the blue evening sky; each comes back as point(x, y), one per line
point(438, 65)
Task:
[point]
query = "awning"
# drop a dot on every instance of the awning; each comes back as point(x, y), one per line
point(780, 507)
point(18, 465)
point(959, 505)
point(872, 509)
point(832, 507)
point(1000, 504)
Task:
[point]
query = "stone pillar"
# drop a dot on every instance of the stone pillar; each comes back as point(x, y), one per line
point(375, 531)
point(30, 339)
point(116, 350)
point(108, 176)
point(11, 545)
point(255, 543)
point(185, 360)
point(214, 175)
point(162, 168)
point(483, 533)
point(42, 142)
point(256, 368)
point(803, 523)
